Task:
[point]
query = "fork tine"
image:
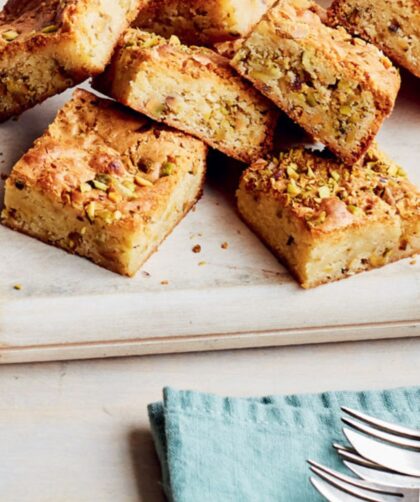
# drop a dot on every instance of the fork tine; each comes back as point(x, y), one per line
point(331, 493)
point(359, 489)
point(365, 485)
point(386, 478)
point(398, 430)
point(394, 458)
point(348, 454)
point(385, 436)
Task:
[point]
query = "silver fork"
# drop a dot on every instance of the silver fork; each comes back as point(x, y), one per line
point(398, 448)
point(369, 471)
point(337, 487)
point(387, 471)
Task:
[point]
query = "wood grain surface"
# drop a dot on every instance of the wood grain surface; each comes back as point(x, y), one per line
point(181, 301)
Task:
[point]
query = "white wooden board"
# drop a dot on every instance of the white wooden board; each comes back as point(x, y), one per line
point(242, 297)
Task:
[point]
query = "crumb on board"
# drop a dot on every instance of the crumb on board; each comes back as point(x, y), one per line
point(196, 249)
point(18, 287)
point(202, 263)
point(145, 274)
point(164, 283)
point(413, 262)
point(224, 245)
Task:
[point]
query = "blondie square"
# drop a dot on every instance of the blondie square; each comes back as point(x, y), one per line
point(340, 89)
point(48, 46)
point(327, 221)
point(392, 26)
point(202, 22)
point(193, 89)
point(105, 183)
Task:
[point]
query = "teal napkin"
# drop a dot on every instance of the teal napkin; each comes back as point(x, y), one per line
point(216, 449)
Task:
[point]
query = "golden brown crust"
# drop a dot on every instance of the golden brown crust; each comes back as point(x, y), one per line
point(193, 89)
point(338, 88)
point(201, 22)
point(394, 27)
point(46, 47)
point(311, 198)
point(109, 174)
point(326, 195)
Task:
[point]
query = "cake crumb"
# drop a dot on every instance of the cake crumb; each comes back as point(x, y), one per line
point(196, 249)
point(224, 245)
point(18, 287)
point(413, 262)
point(164, 283)
point(202, 263)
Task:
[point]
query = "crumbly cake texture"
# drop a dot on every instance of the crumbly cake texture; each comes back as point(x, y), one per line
point(203, 22)
point(327, 221)
point(193, 89)
point(392, 26)
point(48, 46)
point(338, 88)
point(105, 183)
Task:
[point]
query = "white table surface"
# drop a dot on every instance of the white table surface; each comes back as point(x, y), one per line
point(78, 431)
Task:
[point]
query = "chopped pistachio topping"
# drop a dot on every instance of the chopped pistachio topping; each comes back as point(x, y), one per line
point(51, 28)
point(167, 169)
point(143, 182)
point(310, 182)
point(174, 40)
point(100, 185)
point(356, 211)
point(85, 187)
point(129, 185)
point(10, 35)
point(324, 192)
point(292, 189)
point(91, 210)
point(115, 196)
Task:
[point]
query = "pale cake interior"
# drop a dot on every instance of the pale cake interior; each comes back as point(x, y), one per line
point(121, 250)
point(201, 22)
point(319, 76)
point(329, 258)
point(194, 90)
point(45, 50)
point(105, 183)
point(326, 221)
point(392, 26)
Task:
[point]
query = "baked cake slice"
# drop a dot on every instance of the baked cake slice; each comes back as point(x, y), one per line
point(193, 89)
point(201, 22)
point(327, 221)
point(393, 26)
point(105, 183)
point(339, 88)
point(48, 46)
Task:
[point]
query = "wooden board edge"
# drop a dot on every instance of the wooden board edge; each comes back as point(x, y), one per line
point(203, 343)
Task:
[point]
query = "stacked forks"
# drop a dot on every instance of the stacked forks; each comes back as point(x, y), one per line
point(384, 456)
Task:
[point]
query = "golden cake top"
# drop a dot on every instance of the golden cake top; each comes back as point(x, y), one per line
point(327, 194)
point(304, 20)
point(138, 40)
point(22, 19)
point(105, 160)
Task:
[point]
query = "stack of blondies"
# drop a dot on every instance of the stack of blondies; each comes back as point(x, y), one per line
point(111, 178)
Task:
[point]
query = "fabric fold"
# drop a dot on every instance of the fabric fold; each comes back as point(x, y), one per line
point(225, 449)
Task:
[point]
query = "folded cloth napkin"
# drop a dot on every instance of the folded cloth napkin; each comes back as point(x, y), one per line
point(215, 449)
